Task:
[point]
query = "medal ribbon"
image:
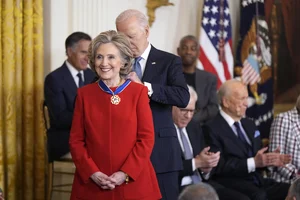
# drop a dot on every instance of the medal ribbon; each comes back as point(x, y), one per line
point(119, 89)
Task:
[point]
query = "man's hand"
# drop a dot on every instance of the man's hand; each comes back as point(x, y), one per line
point(103, 180)
point(205, 160)
point(274, 158)
point(133, 77)
point(118, 177)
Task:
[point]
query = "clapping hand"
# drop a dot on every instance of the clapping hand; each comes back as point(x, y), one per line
point(206, 160)
point(273, 158)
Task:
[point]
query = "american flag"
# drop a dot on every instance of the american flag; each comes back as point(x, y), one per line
point(215, 32)
point(250, 72)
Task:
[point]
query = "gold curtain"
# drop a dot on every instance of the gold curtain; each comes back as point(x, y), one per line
point(22, 159)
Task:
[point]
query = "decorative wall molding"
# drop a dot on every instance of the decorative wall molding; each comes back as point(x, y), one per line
point(152, 5)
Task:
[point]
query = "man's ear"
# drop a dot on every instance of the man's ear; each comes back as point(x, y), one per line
point(69, 51)
point(225, 102)
point(147, 31)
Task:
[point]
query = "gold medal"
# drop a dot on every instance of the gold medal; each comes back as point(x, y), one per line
point(115, 99)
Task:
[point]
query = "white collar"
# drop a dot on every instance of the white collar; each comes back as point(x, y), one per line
point(227, 118)
point(178, 127)
point(146, 53)
point(73, 70)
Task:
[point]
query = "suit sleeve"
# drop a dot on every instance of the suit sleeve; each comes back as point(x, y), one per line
point(84, 163)
point(140, 154)
point(175, 92)
point(211, 109)
point(228, 165)
point(282, 136)
point(56, 103)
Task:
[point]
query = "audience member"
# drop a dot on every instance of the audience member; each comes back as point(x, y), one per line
point(112, 133)
point(294, 191)
point(285, 132)
point(162, 73)
point(239, 143)
point(200, 191)
point(60, 92)
point(205, 83)
point(197, 160)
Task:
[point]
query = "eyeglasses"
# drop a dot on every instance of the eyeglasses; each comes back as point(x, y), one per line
point(186, 111)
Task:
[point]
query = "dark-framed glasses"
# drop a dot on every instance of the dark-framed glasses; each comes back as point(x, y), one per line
point(185, 111)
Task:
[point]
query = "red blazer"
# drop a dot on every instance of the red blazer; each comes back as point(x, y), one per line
point(110, 138)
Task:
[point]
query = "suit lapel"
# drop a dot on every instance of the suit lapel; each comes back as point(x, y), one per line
point(199, 81)
point(250, 134)
point(88, 77)
point(199, 86)
point(150, 69)
point(195, 139)
point(69, 80)
point(228, 132)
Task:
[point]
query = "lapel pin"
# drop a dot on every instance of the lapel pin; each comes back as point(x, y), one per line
point(153, 63)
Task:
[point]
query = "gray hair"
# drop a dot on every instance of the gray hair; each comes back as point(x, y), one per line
point(294, 190)
point(193, 93)
point(127, 14)
point(225, 90)
point(122, 44)
point(200, 191)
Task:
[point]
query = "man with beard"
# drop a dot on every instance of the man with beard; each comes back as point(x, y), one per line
point(205, 83)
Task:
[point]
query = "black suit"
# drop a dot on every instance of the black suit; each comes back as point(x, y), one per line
point(197, 141)
point(232, 169)
point(60, 91)
point(205, 84)
point(164, 72)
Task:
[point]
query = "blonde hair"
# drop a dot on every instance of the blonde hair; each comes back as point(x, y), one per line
point(122, 44)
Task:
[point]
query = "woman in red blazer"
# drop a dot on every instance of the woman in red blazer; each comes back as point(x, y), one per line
point(112, 133)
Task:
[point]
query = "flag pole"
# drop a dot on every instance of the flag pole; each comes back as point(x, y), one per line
point(258, 52)
point(221, 40)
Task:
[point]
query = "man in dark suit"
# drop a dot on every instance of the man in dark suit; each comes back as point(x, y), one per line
point(239, 142)
point(60, 92)
point(205, 83)
point(197, 160)
point(161, 73)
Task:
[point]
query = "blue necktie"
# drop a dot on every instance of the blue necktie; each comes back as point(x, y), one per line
point(188, 154)
point(80, 82)
point(137, 67)
point(241, 136)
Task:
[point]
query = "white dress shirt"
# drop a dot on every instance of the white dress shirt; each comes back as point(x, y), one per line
point(187, 180)
point(74, 73)
point(250, 161)
point(143, 63)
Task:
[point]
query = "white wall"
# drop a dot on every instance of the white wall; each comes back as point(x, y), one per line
point(62, 17)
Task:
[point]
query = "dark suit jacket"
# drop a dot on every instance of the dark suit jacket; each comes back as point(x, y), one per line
point(60, 91)
point(207, 103)
point(164, 72)
point(233, 159)
point(196, 138)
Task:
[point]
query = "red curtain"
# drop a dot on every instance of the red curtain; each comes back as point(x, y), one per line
point(291, 14)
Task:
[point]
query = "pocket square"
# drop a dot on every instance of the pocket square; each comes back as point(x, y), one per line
point(256, 134)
